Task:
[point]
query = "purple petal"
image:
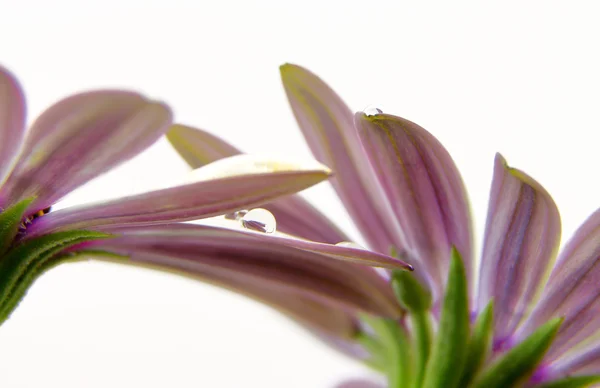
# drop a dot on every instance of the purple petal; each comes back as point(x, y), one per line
point(425, 189)
point(521, 240)
point(360, 384)
point(258, 258)
point(81, 137)
point(206, 198)
point(294, 214)
point(573, 290)
point(328, 126)
point(12, 121)
point(585, 362)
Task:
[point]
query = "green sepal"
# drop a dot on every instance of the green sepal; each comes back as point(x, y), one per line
point(409, 292)
point(479, 344)
point(520, 361)
point(27, 261)
point(571, 382)
point(449, 352)
point(10, 219)
point(395, 348)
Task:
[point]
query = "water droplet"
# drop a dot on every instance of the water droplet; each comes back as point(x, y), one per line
point(372, 110)
point(238, 215)
point(349, 244)
point(260, 220)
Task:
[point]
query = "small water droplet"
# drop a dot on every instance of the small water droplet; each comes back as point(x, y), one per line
point(349, 244)
point(238, 215)
point(372, 110)
point(259, 219)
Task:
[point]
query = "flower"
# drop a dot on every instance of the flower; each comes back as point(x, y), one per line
point(522, 321)
point(87, 134)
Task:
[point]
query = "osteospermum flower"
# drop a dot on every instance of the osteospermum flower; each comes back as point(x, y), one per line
point(87, 134)
point(530, 322)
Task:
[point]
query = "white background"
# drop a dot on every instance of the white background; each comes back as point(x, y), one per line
point(522, 79)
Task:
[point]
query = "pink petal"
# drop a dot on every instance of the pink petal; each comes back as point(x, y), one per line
point(573, 291)
point(294, 214)
point(328, 126)
point(12, 121)
point(425, 189)
point(202, 199)
point(81, 137)
point(521, 241)
point(254, 258)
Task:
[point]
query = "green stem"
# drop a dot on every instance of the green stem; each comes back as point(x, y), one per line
point(422, 344)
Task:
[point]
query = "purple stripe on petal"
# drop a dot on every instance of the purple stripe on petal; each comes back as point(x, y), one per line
point(12, 122)
point(260, 259)
point(188, 202)
point(328, 126)
point(294, 214)
point(425, 189)
point(521, 240)
point(573, 290)
point(81, 137)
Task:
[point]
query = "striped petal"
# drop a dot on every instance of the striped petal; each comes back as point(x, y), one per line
point(81, 137)
point(584, 363)
point(294, 214)
point(521, 240)
point(573, 290)
point(256, 258)
point(239, 182)
point(328, 126)
point(425, 189)
point(12, 121)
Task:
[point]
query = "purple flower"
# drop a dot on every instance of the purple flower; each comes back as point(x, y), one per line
point(519, 319)
point(87, 134)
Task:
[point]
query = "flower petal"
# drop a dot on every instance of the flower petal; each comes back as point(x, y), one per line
point(258, 258)
point(294, 214)
point(328, 126)
point(312, 313)
point(12, 121)
point(257, 183)
point(425, 189)
point(585, 363)
point(81, 137)
point(198, 147)
point(521, 240)
point(572, 291)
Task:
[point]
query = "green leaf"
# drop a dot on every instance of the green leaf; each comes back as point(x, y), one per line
point(395, 349)
point(479, 344)
point(449, 352)
point(571, 382)
point(519, 362)
point(10, 219)
point(27, 261)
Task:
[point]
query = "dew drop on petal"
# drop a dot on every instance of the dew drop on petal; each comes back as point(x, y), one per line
point(349, 244)
point(372, 110)
point(260, 220)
